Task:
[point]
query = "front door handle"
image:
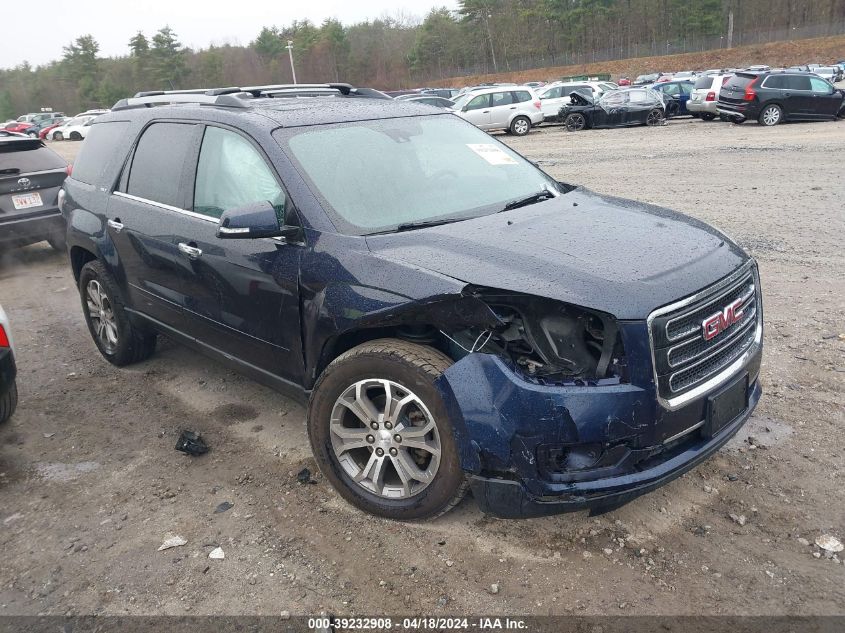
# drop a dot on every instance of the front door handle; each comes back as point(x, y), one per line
point(513, 107)
point(191, 251)
point(116, 225)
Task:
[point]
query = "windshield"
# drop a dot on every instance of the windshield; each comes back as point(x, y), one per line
point(81, 120)
point(374, 176)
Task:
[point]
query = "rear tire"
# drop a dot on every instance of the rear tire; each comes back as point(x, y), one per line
point(707, 116)
point(75, 136)
point(363, 461)
point(119, 341)
point(9, 403)
point(771, 115)
point(57, 242)
point(655, 117)
point(520, 126)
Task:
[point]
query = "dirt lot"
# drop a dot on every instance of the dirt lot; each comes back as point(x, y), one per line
point(91, 485)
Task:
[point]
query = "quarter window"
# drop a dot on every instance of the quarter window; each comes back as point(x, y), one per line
point(158, 163)
point(502, 98)
point(231, 173)
point(819, 85)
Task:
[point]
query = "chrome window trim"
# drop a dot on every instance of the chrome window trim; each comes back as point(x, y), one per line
point(723, 376)
point(167, 207)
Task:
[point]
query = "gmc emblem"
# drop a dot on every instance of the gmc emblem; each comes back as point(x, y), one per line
point(721, 321)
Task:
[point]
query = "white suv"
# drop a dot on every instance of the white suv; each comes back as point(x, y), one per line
point(555, 96)
point(705, 96)
point(514, 109)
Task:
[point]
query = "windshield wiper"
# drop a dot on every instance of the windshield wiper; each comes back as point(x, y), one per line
point(410, 226)
point(545, 194)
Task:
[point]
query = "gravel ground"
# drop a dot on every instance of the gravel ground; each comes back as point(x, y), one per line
point(91, 485)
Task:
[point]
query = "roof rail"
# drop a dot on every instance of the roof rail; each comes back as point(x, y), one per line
point(149, 100)
point(236, 97)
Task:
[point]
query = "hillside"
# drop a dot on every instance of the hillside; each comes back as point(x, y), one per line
point(789, 53)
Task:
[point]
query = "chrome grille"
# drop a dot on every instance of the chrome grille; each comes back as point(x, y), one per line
point(683, 358)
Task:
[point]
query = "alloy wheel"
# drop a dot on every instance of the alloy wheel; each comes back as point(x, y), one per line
point(575, 122)
point(654, 117)
point(385, 438)
point(771, 115)
point(101, 313)
point(520, 126)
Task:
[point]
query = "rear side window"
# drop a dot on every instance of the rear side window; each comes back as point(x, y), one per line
point(776, 81)
point(26, 156)
point(158, 163)
point(798, 82)
point(502, 98)
point(98, 151)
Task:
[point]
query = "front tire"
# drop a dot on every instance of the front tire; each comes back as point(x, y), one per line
point(520, 126)
point(575, 122)
point(58, 136)
point(381, 434)
point(75, 136)
point(119, 341)
point(707, 116)
point(770, 116)
point(9, 403)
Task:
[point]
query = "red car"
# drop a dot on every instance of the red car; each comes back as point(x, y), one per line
point(43, 133)
point(623, 81)
point(19, 127)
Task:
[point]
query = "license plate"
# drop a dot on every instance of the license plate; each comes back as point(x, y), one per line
point(27, 201)
point(724, 406)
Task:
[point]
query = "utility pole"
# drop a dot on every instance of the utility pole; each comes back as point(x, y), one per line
point(290, 55)
point(487, 17)
point(731, 29)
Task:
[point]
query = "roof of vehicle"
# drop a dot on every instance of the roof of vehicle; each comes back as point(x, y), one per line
point(284, 112)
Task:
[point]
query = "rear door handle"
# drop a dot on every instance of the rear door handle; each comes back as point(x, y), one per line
point(191, 251)
point(116, 225)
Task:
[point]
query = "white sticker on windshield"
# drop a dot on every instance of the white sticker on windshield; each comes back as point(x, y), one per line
point(492, 154)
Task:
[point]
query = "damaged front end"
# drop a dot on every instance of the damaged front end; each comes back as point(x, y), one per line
point(554, 409)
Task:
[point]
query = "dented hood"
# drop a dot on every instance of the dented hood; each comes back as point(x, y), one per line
point(609, 254)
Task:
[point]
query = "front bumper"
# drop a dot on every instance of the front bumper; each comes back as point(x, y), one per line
point(8, 370)
point(533, 450)
point(32, 228)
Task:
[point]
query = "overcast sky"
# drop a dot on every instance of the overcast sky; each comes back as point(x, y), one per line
point(198, 23)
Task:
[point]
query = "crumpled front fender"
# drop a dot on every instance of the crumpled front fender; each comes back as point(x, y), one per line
point(500, 419)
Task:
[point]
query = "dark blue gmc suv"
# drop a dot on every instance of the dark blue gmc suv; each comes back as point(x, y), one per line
point(454, 317)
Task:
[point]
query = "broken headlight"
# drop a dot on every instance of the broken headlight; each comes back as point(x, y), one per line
point(549, 340)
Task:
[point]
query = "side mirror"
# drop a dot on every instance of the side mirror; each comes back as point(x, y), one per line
point(465, 108)
point(250, 222)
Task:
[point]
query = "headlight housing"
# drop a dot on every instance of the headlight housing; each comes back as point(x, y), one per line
point(548, 340)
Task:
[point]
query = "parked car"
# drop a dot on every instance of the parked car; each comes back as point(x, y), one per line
point(620, 108)
point(536, 85)
point(446, 93)
point(31, 176)
point(623, 81)
point(52, 126)
point(677, 95)
point(758, 68)
point(8, 134)
point(685, 75)
point(76, 128)
point(439, 332)
point(556, 95)
point(774, 97)
point(8, 370)
point(831, 74)
point(19, 127)
point(35, 129)
point(515, 110)
point(645, 80)
point(704, 98)
point(437, 102)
